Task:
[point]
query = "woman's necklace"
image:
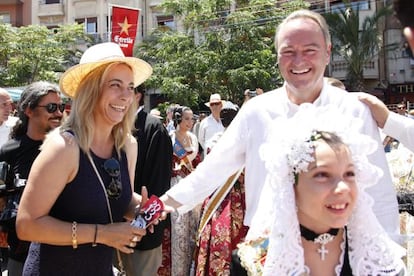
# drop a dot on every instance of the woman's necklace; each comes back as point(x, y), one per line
point(322, 239)
point(183, 138)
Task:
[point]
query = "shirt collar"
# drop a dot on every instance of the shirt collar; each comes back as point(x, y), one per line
point(292, 108)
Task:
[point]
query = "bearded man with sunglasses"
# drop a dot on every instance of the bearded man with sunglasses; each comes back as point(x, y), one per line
point(40, 110)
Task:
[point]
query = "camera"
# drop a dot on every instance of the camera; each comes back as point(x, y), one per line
point(252, 93)
point(4, 169)
point(9, 185)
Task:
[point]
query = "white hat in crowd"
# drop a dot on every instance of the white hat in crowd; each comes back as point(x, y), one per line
point(214, 98)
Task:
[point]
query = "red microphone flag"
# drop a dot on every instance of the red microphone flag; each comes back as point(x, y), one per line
point(124, 28)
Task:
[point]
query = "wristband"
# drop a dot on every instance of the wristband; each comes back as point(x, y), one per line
point(95, 236)
point(74, 235)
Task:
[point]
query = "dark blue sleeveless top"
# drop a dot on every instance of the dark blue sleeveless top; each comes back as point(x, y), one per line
point(83, 201)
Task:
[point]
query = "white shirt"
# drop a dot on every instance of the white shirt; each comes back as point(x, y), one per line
point(400, 128)
point(5, 129)
point(240, 143)
point(170, 127)
point(208, 127)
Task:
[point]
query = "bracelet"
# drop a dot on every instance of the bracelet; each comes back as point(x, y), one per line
point(74, 235)
point(95, 236)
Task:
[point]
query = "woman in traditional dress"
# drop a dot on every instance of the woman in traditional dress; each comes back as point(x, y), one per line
point(221, 226)
point(178, 245)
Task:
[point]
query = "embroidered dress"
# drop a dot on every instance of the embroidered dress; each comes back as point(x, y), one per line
point(222, 234)
point(401, 162)
point(179, 239)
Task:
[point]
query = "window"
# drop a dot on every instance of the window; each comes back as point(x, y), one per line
point(5, 17)
point(166, 21)
point(362, 5)
point(52, 1)
point(90, 24)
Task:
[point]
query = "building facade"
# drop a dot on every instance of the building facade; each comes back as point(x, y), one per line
point(93, 13)
point(390, 75)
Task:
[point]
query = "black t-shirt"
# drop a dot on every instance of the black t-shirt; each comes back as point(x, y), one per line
point(19, 153)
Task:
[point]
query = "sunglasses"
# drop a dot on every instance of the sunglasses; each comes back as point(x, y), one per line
point(112, 167)
point(52, 107)
point(213, 104)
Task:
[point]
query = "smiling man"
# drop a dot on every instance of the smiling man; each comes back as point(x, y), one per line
point(303, 47)
point(40, 110)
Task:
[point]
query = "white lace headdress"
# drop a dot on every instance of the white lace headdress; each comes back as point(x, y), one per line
point(288, 150)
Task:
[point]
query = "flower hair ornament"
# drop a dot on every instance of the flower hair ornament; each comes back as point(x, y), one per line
point(288, 151)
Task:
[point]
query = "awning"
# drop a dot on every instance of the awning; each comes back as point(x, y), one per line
point(15, 93)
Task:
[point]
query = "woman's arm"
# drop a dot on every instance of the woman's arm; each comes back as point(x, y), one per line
point(55, 166)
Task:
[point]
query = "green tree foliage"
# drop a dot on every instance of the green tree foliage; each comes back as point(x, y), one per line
point(225, 48)
point(35, 52)
point(357, 44)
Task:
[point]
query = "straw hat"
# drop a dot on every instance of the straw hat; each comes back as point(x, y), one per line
point(96, 56)
point(214, 98)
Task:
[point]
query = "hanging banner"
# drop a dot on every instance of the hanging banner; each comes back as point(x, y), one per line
point(124, 28)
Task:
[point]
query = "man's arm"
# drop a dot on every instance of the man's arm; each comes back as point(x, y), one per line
point(394, 125)
point(378, 109)
point(227, 158)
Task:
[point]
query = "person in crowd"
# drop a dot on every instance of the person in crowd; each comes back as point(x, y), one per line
point(221, 225)
point(248, 94)
point(212, 124)
point(196, 127)
point(5, 112)
point(156, 113)
point(169, 122)
point(178, 246)
point(321, 221)
point(153, 170)
point(40, 110)
point(402, 109)
point(80, 187)
point(335, 82)
point(5, 127)
point(303, 48)
point(392, 124)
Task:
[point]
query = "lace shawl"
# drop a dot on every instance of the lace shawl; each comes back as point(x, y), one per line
point(371, 251)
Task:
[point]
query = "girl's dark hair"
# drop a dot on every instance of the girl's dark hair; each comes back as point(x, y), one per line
point(330, 138)
point(178, 114)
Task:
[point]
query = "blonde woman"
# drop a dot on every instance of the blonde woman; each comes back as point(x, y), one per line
point(80, 187)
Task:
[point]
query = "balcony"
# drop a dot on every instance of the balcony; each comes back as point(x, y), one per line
point(50, 9)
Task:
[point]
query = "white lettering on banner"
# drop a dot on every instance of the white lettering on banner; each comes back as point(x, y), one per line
point(123, 40)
